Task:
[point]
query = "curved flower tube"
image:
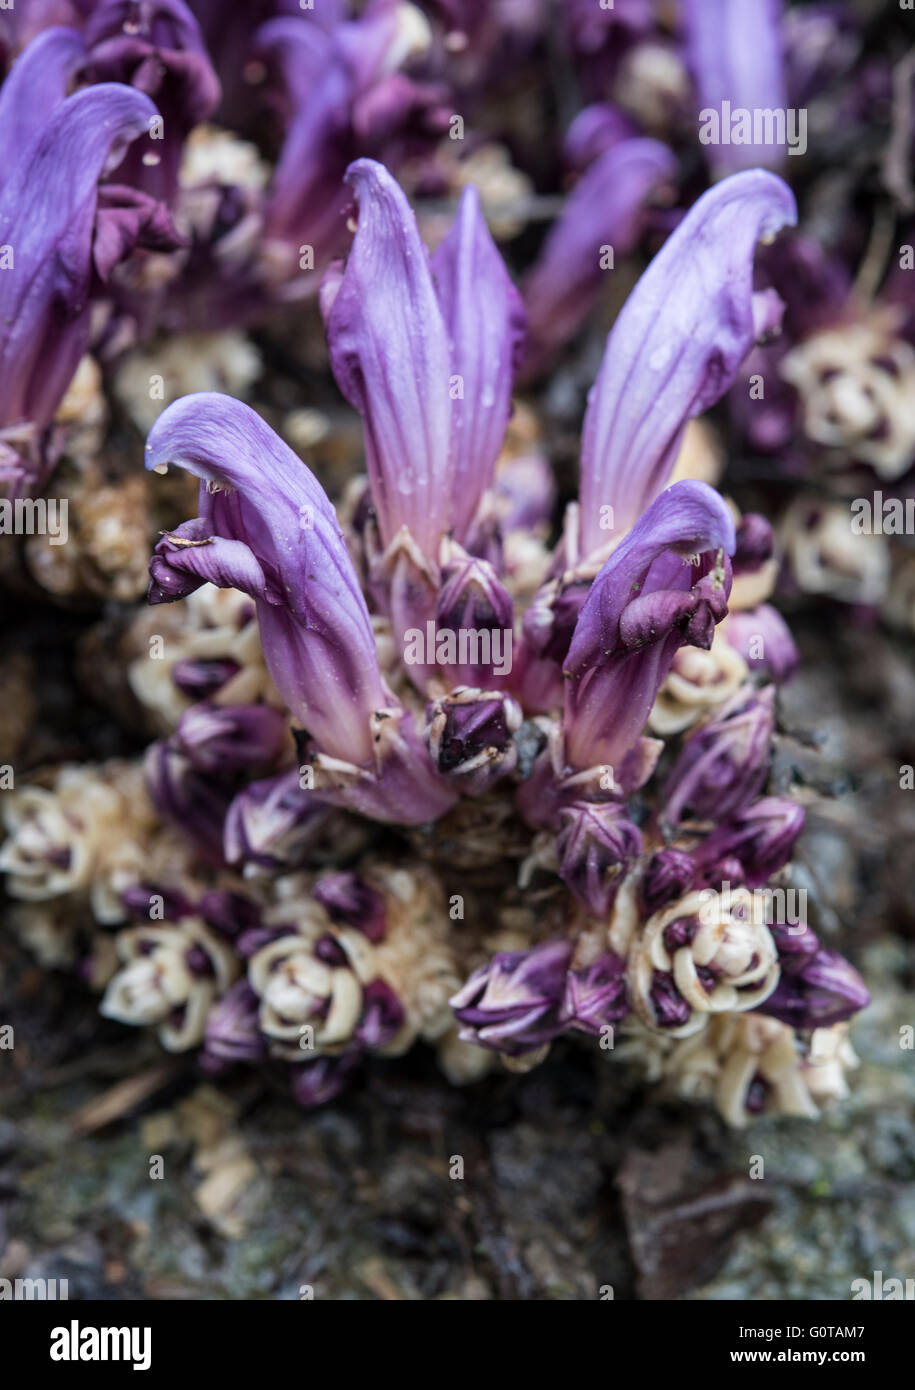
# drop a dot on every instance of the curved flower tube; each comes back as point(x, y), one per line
point(48, 207)
point(267, 527)
point(675, 348)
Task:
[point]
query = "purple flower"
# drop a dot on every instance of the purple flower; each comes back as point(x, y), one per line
point(231, 738)
point(735, 51)
point(596, 995)
point(675, 348)
point(383, 1015)
point(825, 990)
point(343, 95)
point(763, 639)
point(596, 845)
point(48, 207)
point(647, 601)
point(232, 1033)
point(155, 46)
point(758, 840)
point(425, 355)
point(273, 823)
point(347, 898)
point(667, 876)
point(485, 323)
point(512, 1004)
point(605, 208)
point(266, 527)
point(724, 763)
point(319, 1081)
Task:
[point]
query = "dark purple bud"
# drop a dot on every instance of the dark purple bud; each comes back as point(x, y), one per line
point(668, 875)
point(232, 1034)
point(470, 736)
point(796, 945)
point(321, 1080)
point(229, 913)
point(762, 638)
point(512, 1004)
point(596, 995)
point(759, 837)
point(349, 899)
point(199, 680)
point(474, 618)
point(596, 845)
point(141, 899)
point(382, 1015)
point(723, 763)
point(670, 1008)
point(273, 823)
point(826, 990)
point(755, 543)
point(231, 738)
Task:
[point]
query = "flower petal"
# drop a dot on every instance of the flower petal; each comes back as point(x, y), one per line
point(389, 352)
point(485, 320)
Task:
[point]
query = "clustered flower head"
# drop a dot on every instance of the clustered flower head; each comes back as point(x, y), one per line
point(436, 765)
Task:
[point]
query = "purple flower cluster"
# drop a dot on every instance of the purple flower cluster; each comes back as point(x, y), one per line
point(443, 759)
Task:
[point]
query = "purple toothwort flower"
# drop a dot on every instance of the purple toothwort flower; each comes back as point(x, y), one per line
point(272, 823)
point(266, 527)
point(596, 845)
point(757, 840)
point(763, 639)
point(675, 349)
point(512, 1004)
point(425, 353)
point(666, 584)
point(595, 996)
point(231, 738)
point(155, 46)
point(724, 763)
point(825, 990)
point(48, 208)
point(735, 51)
point(606, 209)
point(348, 899)
point(232, 1032)
point(344, 95)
